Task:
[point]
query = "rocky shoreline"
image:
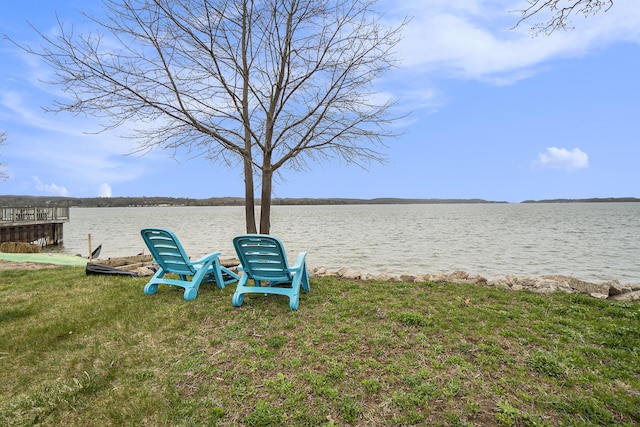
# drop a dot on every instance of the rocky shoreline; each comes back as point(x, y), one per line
point(609, 290)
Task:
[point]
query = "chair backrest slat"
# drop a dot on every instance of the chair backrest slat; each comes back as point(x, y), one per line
point(263, 257)
point(167, 251)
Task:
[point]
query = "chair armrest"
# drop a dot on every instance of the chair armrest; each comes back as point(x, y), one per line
point(300, 261)
point(206, 259)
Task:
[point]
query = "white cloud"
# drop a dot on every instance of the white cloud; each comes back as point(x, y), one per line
point(563, 159)
point(475, 39)
point(104, 190)
point(68, 148)
point(52, 188)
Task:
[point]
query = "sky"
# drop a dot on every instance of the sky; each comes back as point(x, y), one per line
point(494, 112)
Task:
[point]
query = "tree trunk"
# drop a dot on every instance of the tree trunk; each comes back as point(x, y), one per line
point(265, 203)
point(249, 190)
point(249, 198)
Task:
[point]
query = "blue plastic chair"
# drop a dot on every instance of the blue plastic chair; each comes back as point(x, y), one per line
point(263, 260)
point(172, 259)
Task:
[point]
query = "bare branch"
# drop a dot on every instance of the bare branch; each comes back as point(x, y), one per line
point(557, 14)
point(268, 83)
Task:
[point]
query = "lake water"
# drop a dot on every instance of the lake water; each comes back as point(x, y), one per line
point(589, 241)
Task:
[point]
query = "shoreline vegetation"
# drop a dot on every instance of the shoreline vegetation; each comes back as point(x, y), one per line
point(25, 200)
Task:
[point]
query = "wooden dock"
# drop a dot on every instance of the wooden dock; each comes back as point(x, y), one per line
point(41, 225)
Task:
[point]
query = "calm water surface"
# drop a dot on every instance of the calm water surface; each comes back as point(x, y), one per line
point(590, 241)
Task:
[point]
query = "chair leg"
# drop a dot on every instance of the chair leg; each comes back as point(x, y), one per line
point(305, 280)
point(190, 294)
point(293, 301)
point(151, 288)
point(238, 296)
point(237, 299)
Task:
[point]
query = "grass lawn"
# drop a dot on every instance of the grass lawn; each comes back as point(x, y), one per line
point(95, 351)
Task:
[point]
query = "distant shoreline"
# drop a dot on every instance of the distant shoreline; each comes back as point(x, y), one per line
point(592, 200)
point(22, 201)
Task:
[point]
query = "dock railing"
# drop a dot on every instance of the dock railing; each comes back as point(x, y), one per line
point(34, 214)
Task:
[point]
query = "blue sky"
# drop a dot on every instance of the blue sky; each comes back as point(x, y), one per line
point(495, 114)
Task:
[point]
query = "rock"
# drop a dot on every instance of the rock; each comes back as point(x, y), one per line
point(564, 287)
point(503, 284)
point(478, 280)
point(407, 278)
point(320, 271)
point(459, 275)
point(510, 280)
point(611, 289)
point(543, 286)
point(369, 276)
point(615, 288)
point(334, 273)
point(351, 274)
point(628, 297)
point(441, 278)
point(582, 286)
point(384, 277)
point(429, 277)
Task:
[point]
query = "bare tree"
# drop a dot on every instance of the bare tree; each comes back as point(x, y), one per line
point(3, 172)
point(263, 83)
point(559, 12)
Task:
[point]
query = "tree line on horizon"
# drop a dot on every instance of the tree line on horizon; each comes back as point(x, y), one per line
point(144, 201)
point(98, 202)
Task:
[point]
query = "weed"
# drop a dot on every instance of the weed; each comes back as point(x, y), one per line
point(350, 410)
point(279, 385)
point(411, 319)
point(371, 385)
point(547, 363)
point(276, 341)
point(265, 415)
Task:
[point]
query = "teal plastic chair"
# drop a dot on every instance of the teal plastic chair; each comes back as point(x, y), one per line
point(169, 254)
point(264, 261)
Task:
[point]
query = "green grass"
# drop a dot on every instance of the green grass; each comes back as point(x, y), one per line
point(95, 351)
